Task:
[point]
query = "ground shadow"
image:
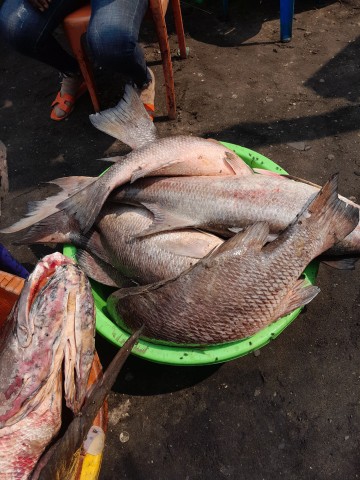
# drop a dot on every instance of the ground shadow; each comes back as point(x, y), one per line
point(141, 377)
point(244, 20)
point(339, 78)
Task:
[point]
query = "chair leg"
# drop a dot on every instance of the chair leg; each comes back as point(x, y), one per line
point(286, 19)
point(160, 25)
point(179, 27)
point(88, 74)
point(76, 44)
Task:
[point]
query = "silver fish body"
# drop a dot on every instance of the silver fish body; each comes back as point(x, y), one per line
point(243, 286)
point(221, 203)
point(152, 258)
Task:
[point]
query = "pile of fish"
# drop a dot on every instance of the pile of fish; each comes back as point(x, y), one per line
point(48, 336)
point(204, 250)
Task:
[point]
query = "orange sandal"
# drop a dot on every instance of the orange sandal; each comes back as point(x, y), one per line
point(60, 101)
point(150, 108)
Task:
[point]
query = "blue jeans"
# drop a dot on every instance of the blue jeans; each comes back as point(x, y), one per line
point(112, 35)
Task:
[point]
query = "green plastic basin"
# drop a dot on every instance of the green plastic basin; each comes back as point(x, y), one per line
point(173, 354)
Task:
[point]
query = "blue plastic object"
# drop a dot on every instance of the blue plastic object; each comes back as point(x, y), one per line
point(10, 265)
point(286, 17)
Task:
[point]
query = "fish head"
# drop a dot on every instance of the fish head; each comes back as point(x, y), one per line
point(53, 321)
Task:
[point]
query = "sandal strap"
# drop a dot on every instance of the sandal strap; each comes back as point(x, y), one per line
point(61, 99)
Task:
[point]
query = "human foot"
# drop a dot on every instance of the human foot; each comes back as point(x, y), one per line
point(71, 89)
point(147, 95)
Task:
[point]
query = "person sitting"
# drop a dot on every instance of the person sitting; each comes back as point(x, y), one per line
point(112, 39)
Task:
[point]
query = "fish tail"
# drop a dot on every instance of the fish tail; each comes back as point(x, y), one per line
point(85, 205)
point(128, 121)
point(329, 214)
point(53, 229)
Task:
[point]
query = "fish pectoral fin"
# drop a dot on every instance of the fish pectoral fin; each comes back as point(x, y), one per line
point(128, 121)
point(237, 164)
point(101, 271)
point(198, 248)
point(91, 242)
point(341, 263)
point(150, 172)
point(301, 294)
point(164, 220)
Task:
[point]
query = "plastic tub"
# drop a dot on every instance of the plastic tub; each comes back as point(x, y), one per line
point(173, 354)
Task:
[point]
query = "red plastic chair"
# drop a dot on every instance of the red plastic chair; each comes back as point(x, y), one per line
point(75, 25)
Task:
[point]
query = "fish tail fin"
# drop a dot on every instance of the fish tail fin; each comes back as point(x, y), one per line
point(41, 209)
point(53, 229)
point(128, 121)
point(329, 215)
point(85, 205)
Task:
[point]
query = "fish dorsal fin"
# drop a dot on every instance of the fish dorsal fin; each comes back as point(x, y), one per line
point(236, 163)
point(301, 294)
point(101, 271)
point(164, 220)
point(253, 237)
point(128, 121)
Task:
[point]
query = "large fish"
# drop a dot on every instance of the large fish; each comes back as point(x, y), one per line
point(113, 256)
point(244, 285)
point(52, 323)
point(222, 203)
point(153, 258)
point(176, 155)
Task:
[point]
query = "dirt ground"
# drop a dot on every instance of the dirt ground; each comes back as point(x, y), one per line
point(292, 410)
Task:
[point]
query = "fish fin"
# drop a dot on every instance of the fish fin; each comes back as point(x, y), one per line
point(128, 121)
point(237, 163)
point(235, 229)
point(302, 180)
point(57, 458)
point(86, 204)
point(163, 220)
point(115, 159)
point(40, 209)
point(91, 242)
point(70, 185)
point(101, 271)
point(57, 228)
point(195, 249)
point(270, 173)
point(341, 263)
point(253, 237)
point(328, 212)
point(301, 294)
point(147, 172)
